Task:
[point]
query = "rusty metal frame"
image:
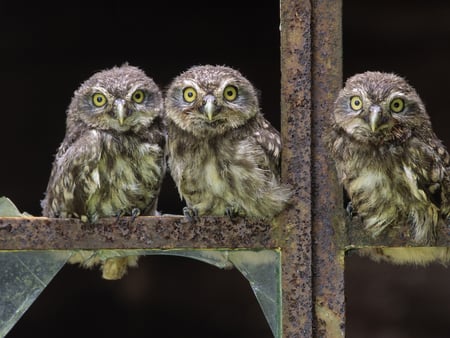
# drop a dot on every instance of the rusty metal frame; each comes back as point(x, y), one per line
point(310, 233)
point(311, 66)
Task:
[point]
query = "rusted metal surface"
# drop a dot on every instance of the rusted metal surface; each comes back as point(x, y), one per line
point(295, 222)
point(313, 271)
point(40, 233)
point(327, 221)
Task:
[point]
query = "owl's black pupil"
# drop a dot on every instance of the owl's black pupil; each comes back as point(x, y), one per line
point(99, 99)
point(230, 93)
point(137, 96)
point(396, 104)
point(357, 103)
point(190, 94)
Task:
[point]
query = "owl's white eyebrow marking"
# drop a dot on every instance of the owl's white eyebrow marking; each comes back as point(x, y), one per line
point(189, 83)
point(133, 89)
point(396, 94)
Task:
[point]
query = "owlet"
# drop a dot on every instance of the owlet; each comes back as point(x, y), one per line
point(393, 167)
point(111, 161)
point(224, 156)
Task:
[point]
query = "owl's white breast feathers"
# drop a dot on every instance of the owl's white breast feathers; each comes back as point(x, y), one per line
point(214, 179)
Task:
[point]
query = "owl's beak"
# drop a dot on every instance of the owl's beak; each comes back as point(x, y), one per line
point(209, 106)
point(375, 116)
point(119, 110)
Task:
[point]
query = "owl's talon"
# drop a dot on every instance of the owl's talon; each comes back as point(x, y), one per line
point(190, 213)
point(119, 214)
point(230, 212)
point(349, 209)
point(135, 212)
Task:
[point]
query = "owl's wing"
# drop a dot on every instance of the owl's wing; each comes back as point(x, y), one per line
point(435, 179)
point(157, 134)
point(441, 174)
point(268, 138)
point(73, 177)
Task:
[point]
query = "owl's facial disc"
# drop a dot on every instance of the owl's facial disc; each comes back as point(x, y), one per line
point(376, 116)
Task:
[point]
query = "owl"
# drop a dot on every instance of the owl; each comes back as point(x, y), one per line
point(112, 159)
point(393, 167)
point(224, 156)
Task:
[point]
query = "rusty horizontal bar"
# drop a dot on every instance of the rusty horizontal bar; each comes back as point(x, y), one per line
point(40, 233)
point(145, 232)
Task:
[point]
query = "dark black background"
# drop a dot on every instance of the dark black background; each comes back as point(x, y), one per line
point(46, 51)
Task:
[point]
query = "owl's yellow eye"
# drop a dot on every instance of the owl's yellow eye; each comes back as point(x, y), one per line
point(356, 103)
point(138, 96)
point(230, 93)
point(397, 105)
point(189, 94)
point(98, 99)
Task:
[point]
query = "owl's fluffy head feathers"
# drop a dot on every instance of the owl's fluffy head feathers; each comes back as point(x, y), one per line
point(210, 100)
point(117, 99)
point(377, 107)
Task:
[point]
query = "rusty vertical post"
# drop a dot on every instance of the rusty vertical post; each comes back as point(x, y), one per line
point(328, 223)
point(311, 240)
point(295, 222)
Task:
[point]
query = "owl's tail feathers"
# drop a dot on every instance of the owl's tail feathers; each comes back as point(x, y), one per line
point(419, 256)
point(273, 202)
point(113, 268)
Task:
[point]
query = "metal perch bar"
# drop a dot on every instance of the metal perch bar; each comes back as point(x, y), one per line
point(40, 233)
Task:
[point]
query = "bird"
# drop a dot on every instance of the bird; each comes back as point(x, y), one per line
point(112, 159)
point(223, 155)
point(391, 164)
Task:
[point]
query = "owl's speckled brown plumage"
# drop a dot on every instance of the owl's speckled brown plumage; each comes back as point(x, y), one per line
point(223, 155)
point(388, 158)
point(111, 161)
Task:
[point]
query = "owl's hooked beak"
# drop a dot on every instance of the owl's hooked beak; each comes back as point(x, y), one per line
point(119, 110)
point(209, 106)
point(375, 117)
